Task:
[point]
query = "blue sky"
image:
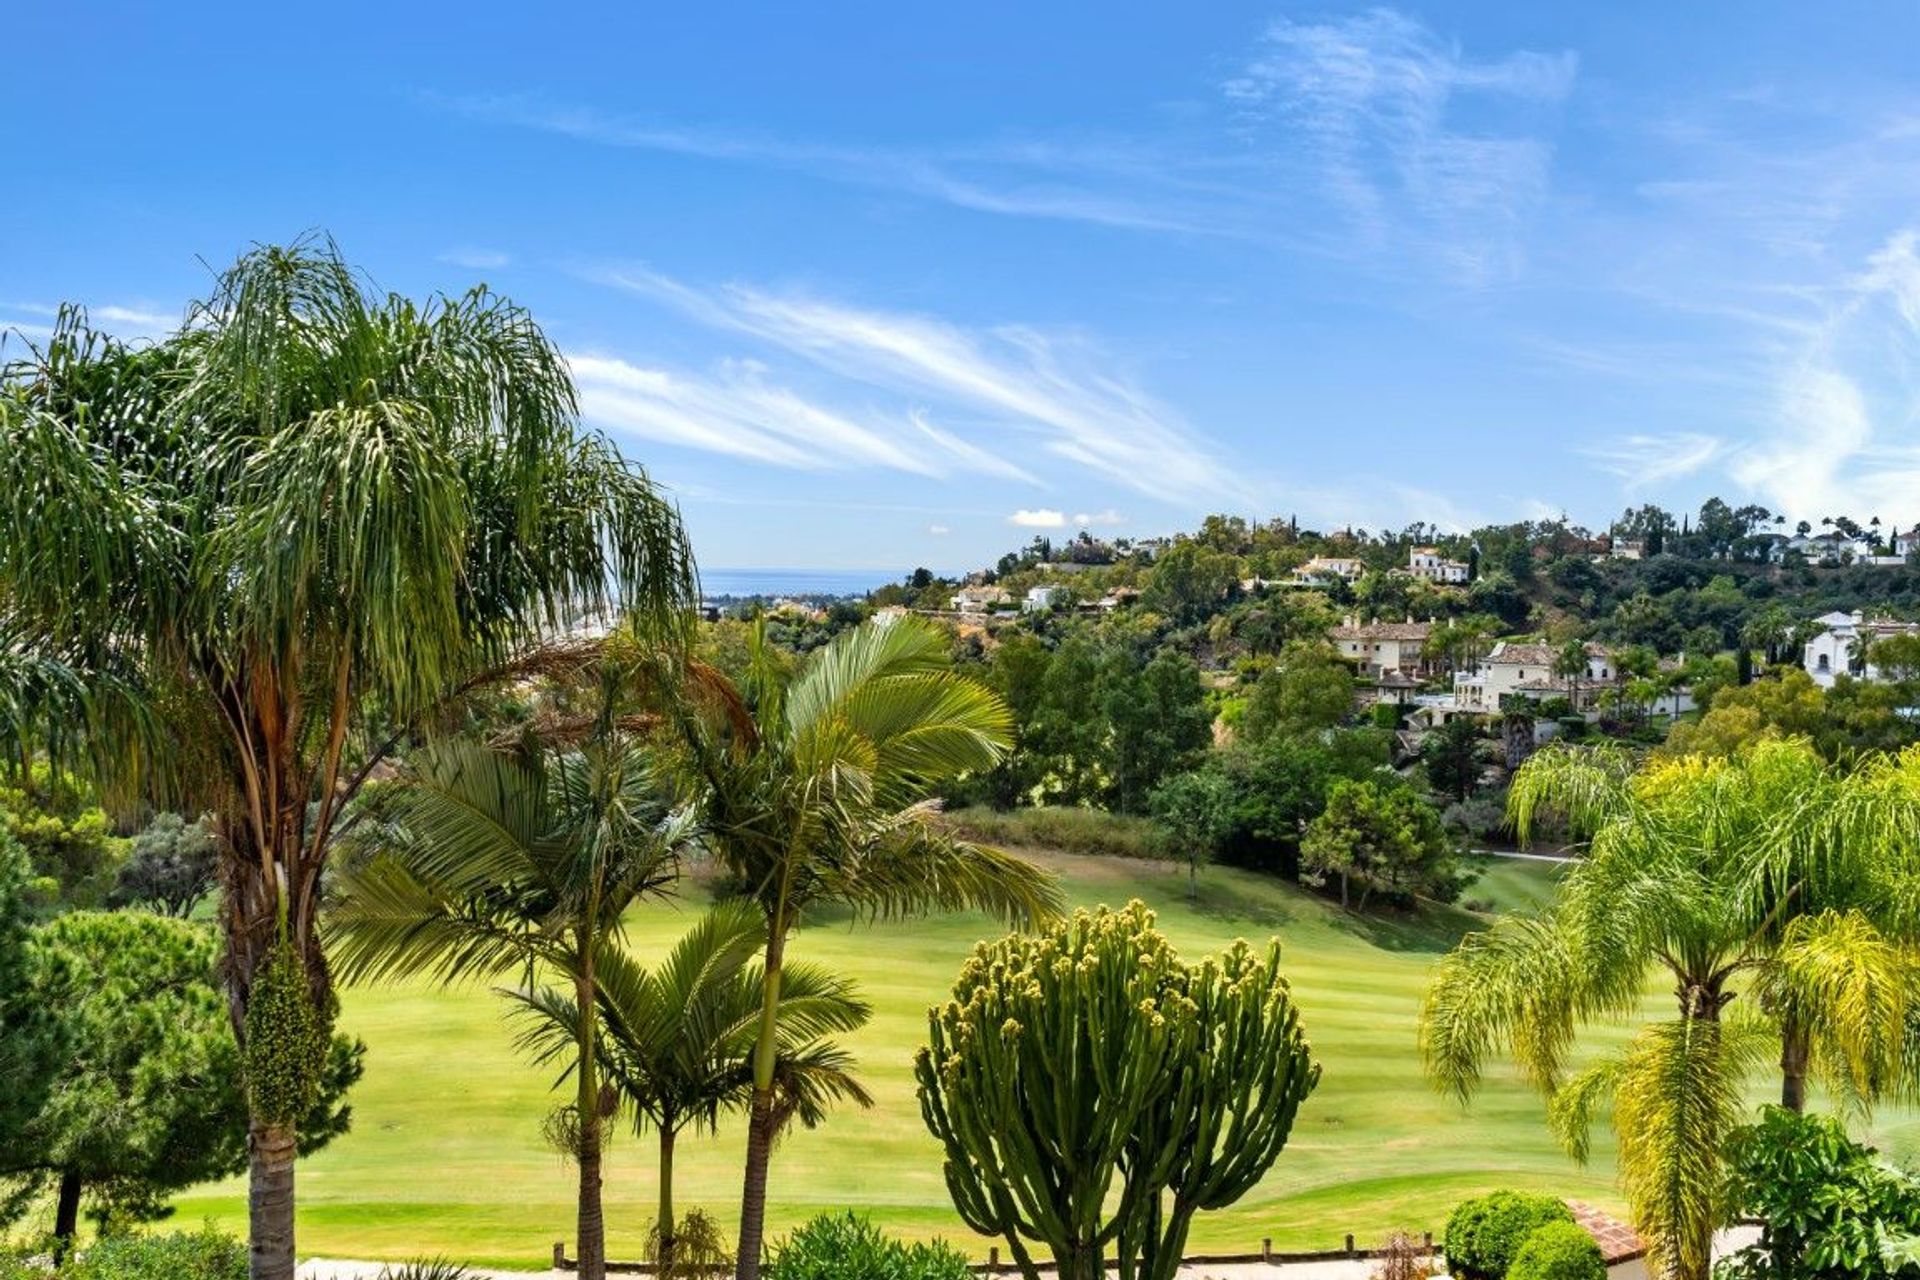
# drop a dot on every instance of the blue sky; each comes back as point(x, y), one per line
point(882, 285)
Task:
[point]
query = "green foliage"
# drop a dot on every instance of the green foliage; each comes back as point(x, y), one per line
point(1828, 1208)
point(199, 1255)
point(699, 1246)
point(1451, 757)
point(1485, 1234)
point(30, 1033)
point(1091, 1054)
point(845, 1247)
point(426, 1269)
point(1306, 690)
point(171, 867)
point(1070, 830)
point(1383, 837)
point(66, 835)
point(1558, 1251)
point(287, 1036)
point(1159, 724)
point(144, 1098)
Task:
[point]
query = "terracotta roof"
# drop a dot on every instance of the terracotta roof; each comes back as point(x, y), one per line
point(1383, 631)
point(1534, 655)
point(1618, 1242)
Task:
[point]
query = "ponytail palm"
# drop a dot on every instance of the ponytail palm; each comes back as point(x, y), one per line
point(238, 565)
point(478, 862)
point(819, 796)
point(678, 1039)
point(1702, 872)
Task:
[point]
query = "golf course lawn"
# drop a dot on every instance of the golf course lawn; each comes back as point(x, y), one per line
point(446, 1155)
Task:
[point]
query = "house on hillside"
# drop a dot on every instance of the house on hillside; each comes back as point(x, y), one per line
point(1843, 643)
point(1429, 564)
point(1525, 669)
point(1377, 648)
point(977, 600)
point(1041, 599)
point(1627, 549)
point(1325, 569)
point(1906, 544)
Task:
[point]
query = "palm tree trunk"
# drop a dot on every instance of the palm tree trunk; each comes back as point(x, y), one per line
point(66, 1217)
point(665, 1223)
point(753, 1194)
point(270, 1151)
point(1794, 1052)
point(591, 1225)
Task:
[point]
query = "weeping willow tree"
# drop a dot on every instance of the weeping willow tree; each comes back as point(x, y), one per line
point(1770, 876)
point(238, 567)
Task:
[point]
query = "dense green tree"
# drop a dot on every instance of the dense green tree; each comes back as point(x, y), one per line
point(1196, 808)
point(239, 565)
point(1189, 580)
point(1158, 724)
point(1067, 734)
point(1306, 690)
point(1450, 755)
point(677, 1040)
point(814, 791)
point(1383, 837)
point(67, 836)
point(30, 1032)
point(476, 862)
point(1093, 1092)
point(144, 1095)
point(171, 867)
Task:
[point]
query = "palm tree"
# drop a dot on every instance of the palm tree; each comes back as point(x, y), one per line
point(678, 1039)
point(1725, 876)
point(818, 796)
point(239, 566)
point(479, 861)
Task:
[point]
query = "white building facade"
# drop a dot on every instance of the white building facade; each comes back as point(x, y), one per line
point(1844, 644)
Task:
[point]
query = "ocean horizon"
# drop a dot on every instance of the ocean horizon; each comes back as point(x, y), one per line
point(741, 582)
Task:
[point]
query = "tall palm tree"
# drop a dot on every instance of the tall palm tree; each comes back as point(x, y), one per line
point(678, 1039)
point(239, 565)
point(480, 862)
point(818, 795)
point(1700, 871)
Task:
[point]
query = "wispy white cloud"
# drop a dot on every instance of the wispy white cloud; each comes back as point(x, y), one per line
point(1049, 393)
point(1373, 98)
point(1645, 460)
point(477, 259)
point(939, 530)
point(33, 319)
point(1098, 519)
point(1039, 518)
point(736, 410)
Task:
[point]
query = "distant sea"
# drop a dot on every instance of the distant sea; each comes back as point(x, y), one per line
point(715, 583)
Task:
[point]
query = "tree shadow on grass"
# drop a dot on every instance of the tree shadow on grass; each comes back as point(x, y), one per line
point(1431, 929)
point(1219, 900)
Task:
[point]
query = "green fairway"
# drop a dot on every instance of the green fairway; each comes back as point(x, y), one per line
point(446, 1156)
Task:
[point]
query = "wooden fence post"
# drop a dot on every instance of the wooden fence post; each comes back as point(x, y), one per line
point(1350, 1248)
point(1266, 1249)
point(993, 1260)
point(559, 1254)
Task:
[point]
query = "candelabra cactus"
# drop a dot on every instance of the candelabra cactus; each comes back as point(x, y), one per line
point(1091, 1053)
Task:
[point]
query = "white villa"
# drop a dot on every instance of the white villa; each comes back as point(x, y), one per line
point(1516, 668)
point(1323, 569)
point(1428, 563)
point(1905, 544)
point(977, 600)
point(1843, 643)
point(1041, 599)
point(1378, 648)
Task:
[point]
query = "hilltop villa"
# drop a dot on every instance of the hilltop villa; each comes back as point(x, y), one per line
point(1528, 669)
point(1377, 648)
point(1844, 641)
point(1428, 563)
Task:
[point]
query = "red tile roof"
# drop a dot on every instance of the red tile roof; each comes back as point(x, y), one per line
point(1618, 1242)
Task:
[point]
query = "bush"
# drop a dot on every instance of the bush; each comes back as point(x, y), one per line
point(843, 1247)
point(1485, 1233)
point(1558, 1251)
point(180, 1255)
point(1070, 830)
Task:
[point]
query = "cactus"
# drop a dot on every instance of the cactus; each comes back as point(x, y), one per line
point(1091, 1054)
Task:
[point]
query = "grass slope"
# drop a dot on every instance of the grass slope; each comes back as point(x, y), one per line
point(446, 1156)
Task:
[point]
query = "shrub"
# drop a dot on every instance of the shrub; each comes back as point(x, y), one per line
point(1558, 1251)
point(180, 1255)
point(1403, 1258)
point(436, 1268)
point(1485, 1233)
point(844, 1247)
point(1070, 830)
point(699, 1246)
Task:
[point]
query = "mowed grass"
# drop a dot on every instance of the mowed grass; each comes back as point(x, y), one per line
point(446, 1155)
